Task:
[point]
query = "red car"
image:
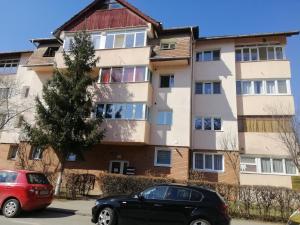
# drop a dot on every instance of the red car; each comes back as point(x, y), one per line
point(23, 190)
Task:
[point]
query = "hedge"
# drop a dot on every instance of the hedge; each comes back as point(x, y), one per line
point(249, 202)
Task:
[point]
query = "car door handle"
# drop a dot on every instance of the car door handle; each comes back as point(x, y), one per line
point(157, 205)
point(189, 207)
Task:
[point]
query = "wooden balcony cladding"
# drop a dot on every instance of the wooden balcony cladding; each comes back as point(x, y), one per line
point(107, 19)
point(182, 47)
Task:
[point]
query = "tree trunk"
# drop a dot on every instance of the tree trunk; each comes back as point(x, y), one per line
point(59, 180)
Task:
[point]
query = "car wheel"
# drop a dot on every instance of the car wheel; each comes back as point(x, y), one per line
point(200, 222)
point(107, 216)
point(11, 208)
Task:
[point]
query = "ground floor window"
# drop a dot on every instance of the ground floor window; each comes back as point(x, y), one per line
point(118, 166)
point(13, 152)
point(208, 162)
point(267, 165)
point(163, 157)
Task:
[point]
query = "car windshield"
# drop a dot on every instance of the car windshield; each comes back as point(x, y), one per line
point(37, 178)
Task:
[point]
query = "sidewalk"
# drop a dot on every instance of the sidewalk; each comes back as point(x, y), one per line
point(76, 207)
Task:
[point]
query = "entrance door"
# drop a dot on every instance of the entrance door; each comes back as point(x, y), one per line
point(118, 166)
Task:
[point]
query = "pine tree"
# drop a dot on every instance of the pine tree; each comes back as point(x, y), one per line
point(63, 113)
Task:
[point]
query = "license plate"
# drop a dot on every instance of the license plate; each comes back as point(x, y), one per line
point(44, 192)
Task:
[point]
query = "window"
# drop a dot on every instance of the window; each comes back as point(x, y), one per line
point(164, 118)
point(37, 178)
point(4, 93)
point(196, 196)
point(96, 40)
point(259, 87)
point(68, 43)
point(8, 177)
point(178, 194)
point(208, 162)
point(130, 39)
point(259, 52)
point(167, 46)
point(167, 81)
point(208, 123)
point(214, 55)
point(124, 74)
point(155, 193)
point(282, 86)
point(9, 66)
point(277, 165)
point(72, 157)
point(250, 164)
point(208, 88)
point(198, 123)
point(134, 111)
point(290, 167)
point(163, 158)
point(271, 87)
point(13, 152)
point(199, 88)
point(50, 52)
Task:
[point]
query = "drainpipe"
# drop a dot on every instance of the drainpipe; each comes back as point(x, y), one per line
point(193, 42)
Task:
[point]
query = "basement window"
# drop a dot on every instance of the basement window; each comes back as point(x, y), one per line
point(50, 52)
point(167, 46)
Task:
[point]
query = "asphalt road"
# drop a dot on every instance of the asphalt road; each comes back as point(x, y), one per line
point(51, 218)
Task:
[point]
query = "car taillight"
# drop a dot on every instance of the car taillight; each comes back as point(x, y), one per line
point(224, 210)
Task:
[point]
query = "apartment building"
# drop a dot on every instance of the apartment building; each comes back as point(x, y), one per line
point(174, 103)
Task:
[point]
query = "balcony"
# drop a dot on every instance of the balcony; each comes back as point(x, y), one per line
point(125, 92)
point(265, 105)
point(126, 132)
point(115, 57)
point(263, 69)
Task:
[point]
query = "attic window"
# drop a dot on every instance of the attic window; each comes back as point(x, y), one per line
point(50, 52)
point(112, 4)
point(167, 46)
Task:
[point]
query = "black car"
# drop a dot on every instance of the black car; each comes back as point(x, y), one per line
point(163, 205)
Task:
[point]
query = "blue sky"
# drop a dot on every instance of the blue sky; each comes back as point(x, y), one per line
point(22, 20)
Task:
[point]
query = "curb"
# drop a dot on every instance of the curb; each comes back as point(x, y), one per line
point(68, 211)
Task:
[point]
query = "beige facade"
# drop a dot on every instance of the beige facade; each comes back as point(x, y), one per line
point(182, 92)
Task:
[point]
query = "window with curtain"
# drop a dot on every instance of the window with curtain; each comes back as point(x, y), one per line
point(271, 87)
point(247, 87)
point(290, 167)
point(265, 165)
point(278, 166)
point(208, 162)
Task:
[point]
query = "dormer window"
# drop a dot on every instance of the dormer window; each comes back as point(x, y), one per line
point(167, 46)
point(50, 52)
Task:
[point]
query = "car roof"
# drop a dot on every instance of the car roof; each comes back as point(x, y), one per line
point(18, 171)
point(195, 187)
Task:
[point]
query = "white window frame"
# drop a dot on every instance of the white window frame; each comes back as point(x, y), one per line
point(11, 148)
point(167, 75)
point(211, 121)
point(250, 164)
point(70, 37)
point(213, 162)
point(170, 46)
point(145, 109)
point(5, 70)
point(264, 87)
point(122, 163)
point(146, 76)
point(259, 170)
point(125, 33)
point(156, 154)
point(258, 55)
